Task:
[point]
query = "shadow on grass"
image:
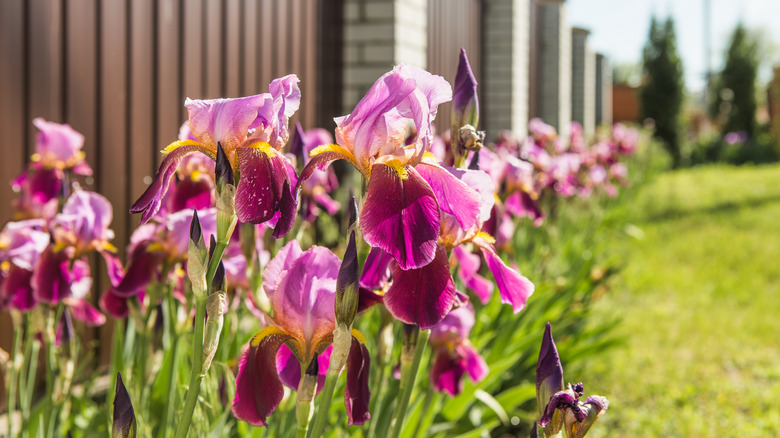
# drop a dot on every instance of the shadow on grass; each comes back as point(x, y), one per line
point(671, 214)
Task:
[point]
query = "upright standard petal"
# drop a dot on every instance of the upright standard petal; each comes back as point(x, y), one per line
point(282, 262)
point(401, 215)
point(58, 145)
point(357, 393)
point(224, 121)
point(422, 296)
point(258, 388)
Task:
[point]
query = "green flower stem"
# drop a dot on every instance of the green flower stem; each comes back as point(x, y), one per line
point(32, 348)
point(304, 400)
point(51, 366)
point(410, 365)
point(342, 340)
point(174, 369)
point(380, 378)
point(422, 425)
point(196, 374)
point(13, 377)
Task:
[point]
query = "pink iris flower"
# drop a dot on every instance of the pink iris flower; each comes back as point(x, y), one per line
point(83, 223)
point(455, 356)
point(400, 213)
point(58, 146)
point(315, 190)
point(301, 286)
point(252, 131)
point(21, 246)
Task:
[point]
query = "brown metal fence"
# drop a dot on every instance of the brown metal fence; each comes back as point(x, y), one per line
point(118, 71)
point(453, 24)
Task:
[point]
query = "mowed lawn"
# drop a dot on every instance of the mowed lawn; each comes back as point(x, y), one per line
point(699, 299)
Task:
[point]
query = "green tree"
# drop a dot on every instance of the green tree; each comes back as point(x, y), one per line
point(661, 96)
point(734, 92)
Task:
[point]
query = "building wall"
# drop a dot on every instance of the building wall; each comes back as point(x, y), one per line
point(554, 64)
point(603, 90)
point(625, 104)
point(583, 87)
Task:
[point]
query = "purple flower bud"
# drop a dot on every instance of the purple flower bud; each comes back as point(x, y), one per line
point(124, 418)
point(549, 372)
point(464, 99)
point(224, 171)
point(195, 231)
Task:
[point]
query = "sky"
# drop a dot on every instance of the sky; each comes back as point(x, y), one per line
point(619, 29)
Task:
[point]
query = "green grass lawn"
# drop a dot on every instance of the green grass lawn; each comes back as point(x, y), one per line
point(698, 299)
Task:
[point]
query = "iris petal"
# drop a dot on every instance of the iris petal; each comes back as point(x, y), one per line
point(422, 296)
point(401, 215)
point(357, 393)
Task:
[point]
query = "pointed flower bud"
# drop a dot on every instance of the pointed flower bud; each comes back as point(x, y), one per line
point(226, 194)
point(346, 303)
point(124, 425)
point(549, 372)
point(464, 99)
point(197, 259)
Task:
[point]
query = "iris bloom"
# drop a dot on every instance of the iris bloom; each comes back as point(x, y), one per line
point(251, 130)
point(58, 146)
point(455, 356)
point(400, 213)
point(301, 286)
point(559, 406)
point(21, 246)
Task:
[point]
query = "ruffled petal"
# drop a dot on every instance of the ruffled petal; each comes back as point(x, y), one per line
point(282, 262)
point(149, 203)
point(258, 388)
point(453, 195)
point(224, 121)
point(357, 393)
point(401, 215)
point(51, 277)
point(513, 287)
point(422, 296)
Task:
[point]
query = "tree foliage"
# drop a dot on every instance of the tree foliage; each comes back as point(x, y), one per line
point(734, 92)
point(661, 96)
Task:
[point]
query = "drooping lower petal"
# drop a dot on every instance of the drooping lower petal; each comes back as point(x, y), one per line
point(422, 296)
point(144, 262)
point(114, 304)
point(51, 277)
point(376, 269)
point(469, 264)
point(17, 289)
point(258, 388)
point(150, 201)
point(522, 205)
point(86, 313)
point(265, 188)
point(474, 363)
point(513, 287)
point(401, 215)
point(357, 394)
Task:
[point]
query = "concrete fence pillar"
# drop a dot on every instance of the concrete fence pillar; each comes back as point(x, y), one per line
point(505, 66)
point(603, 90)
point(583, 81)
point(379, 34)
point(553, 57)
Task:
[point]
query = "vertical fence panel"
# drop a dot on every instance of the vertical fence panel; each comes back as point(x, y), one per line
point(168, 78)
point(452, 24)
point(232, 51)
point(13, 119)
point(45, 63)
point(214, 48)
point(193, 71)
point(251, 47)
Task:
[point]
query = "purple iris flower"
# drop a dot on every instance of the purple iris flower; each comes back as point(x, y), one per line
point(83, 223)
point(58, 146)
point(455, 356)
point(21, 246)
point(301, 286)
point(400, 213)
point(251, 130)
